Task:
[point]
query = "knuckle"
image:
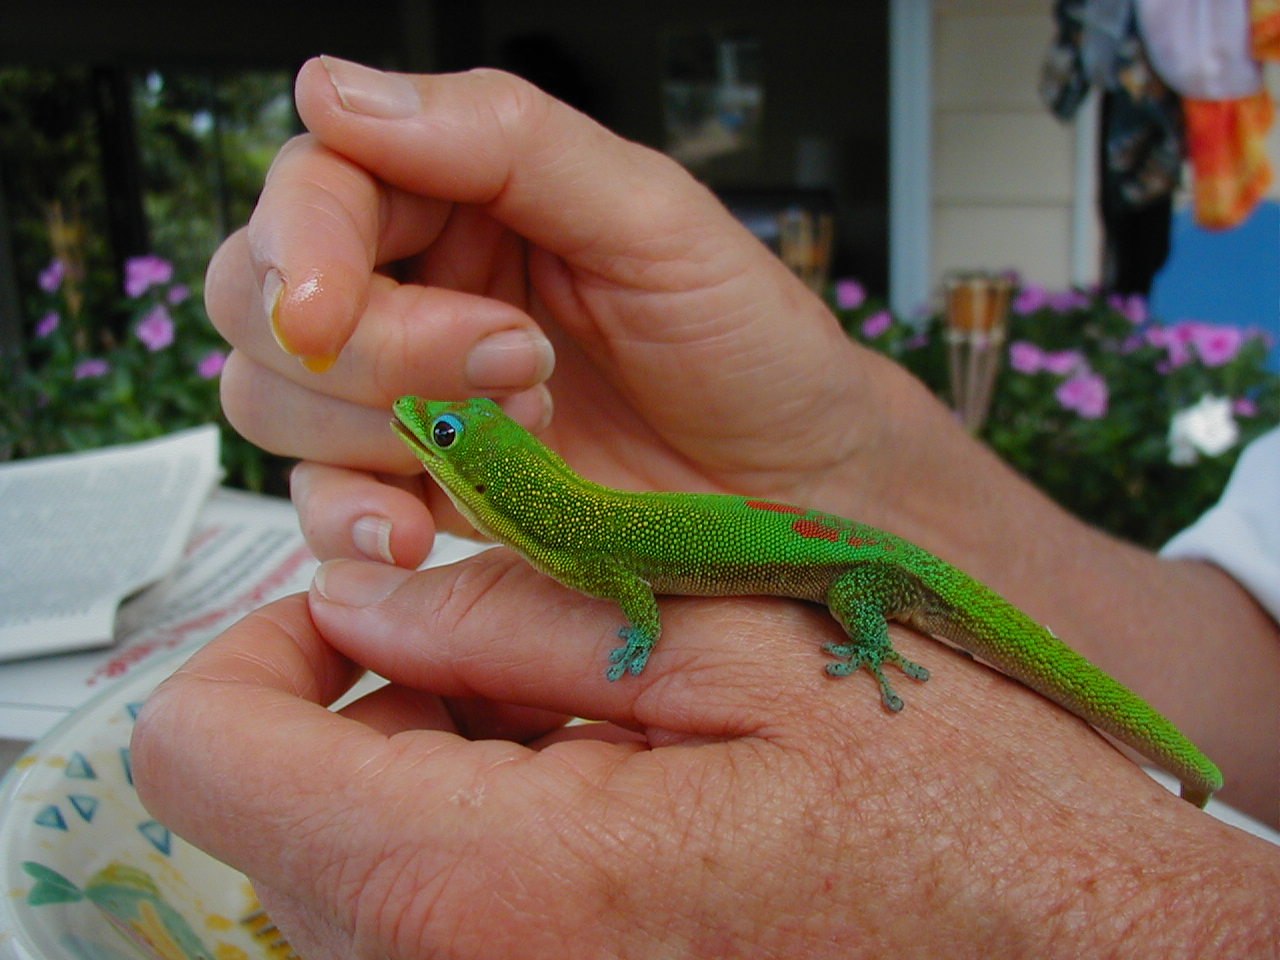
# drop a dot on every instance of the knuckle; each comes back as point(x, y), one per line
point(515, 105)
point(466, 593)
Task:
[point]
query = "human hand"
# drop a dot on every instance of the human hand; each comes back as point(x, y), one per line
point(733, 801)
point(445, 236)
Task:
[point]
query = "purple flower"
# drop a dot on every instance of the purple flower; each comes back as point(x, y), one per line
point(1130, 344)
point(1133, 307)
point(1026, 357)
point(1062, 362)
point(1217, 346)
point(212, 364)
point(1244, 407)
point(1030, 298)
point(1086, 394)
point(155, 329)
point(51, 277)
point(47, 324)
point(177, 294)
point(876, 324)
point(1066, 301)
point(850, 294)
point(143, 273)
point(1175, 341)
point(93, 367)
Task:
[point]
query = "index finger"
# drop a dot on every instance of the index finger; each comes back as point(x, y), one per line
point(321, 226)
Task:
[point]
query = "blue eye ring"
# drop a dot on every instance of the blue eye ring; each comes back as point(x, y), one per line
point(446, 431)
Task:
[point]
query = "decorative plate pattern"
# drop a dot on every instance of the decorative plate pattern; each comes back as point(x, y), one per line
point(88, 874)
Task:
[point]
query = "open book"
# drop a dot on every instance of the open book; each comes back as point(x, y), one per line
point(81, 532)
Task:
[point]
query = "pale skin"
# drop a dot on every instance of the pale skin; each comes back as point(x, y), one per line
point(732, 802)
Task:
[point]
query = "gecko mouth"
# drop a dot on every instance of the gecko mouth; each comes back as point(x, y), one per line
point(408, 437)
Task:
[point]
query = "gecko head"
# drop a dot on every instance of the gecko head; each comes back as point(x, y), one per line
point(442, 433)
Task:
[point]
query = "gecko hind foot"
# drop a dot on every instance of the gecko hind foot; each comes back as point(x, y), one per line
point(854, 657)
point(632, 657)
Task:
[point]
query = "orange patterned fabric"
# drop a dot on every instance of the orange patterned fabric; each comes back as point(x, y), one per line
point(1226, 143)
point(1264, 17)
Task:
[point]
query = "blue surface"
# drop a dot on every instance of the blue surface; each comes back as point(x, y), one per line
point(1228, 276)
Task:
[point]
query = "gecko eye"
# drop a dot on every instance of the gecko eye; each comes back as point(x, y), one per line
point(446, 430)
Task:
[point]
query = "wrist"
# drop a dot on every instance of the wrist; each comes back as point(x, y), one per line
point(1199, 889)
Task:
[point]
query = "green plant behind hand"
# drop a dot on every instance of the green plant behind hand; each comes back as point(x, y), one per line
point(79, 385)
point(1130, 423)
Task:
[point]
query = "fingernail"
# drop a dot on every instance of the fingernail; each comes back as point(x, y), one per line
point(511, 358)
point(372, 537)
point(357, 583)
point(318, 363)
point(361, 89)
point(272, 294)
point(273, 290)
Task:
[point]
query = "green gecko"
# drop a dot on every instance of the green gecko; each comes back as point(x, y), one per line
point(627, 547)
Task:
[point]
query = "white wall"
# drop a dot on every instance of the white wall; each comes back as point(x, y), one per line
point(1004, 169)
point(1013, 187)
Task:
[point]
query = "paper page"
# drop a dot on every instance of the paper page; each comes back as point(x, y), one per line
point(247, 550)
point(82, 531)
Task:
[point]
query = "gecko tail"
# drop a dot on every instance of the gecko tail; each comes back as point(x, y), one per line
point(1194, 793)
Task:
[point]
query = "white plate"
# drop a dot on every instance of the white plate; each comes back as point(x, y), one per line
point(88, 874)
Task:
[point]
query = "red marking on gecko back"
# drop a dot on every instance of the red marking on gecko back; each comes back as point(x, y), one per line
point(774, 507)
point(813, 530)
point(857, 541)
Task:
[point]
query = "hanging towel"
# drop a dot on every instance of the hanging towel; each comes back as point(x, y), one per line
point(1143, 125)
point(1105, 25)
point(1201, 48)
point(1265, 17)
point(1226, 140)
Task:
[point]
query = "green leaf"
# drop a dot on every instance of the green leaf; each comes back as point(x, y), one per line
point(51, 886)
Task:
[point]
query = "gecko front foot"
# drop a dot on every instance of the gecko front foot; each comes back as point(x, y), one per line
point(633, 656)
point(853, 656)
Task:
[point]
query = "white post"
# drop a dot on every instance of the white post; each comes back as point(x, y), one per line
point(1086, 235)
point(910, 154)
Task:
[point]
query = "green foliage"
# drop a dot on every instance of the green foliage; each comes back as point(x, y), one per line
point(51, 168)
point(77, 387)
point(1132, 424)
point(205, 146)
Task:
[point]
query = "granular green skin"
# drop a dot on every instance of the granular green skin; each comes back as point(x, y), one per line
point(627, 547)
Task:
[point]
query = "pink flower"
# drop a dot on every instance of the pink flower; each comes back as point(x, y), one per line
point(47, 324)
point(850, 294)
point(1130, 344)
point(155, 329)
point(143, 273)
point(1066, 301)
point(876, 324)
point(1175, 342)
point(1086, 394)
point(1217, 346)
point(212, 364)
point(1062, 362)
point(93, 367)
point(1133, 307)
point(1030, 298)
point(178, 293)
point(51, 277)
point(1244, 407)
point(1026, 357)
